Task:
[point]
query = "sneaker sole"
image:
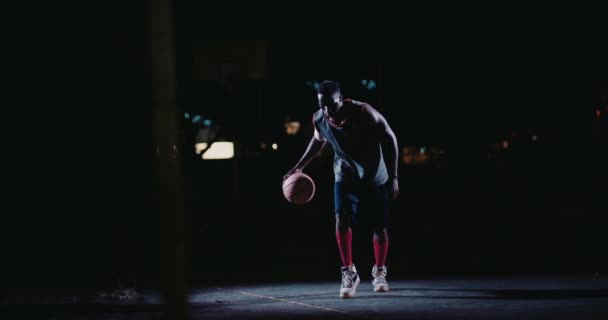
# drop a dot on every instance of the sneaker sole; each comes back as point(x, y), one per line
point(348, 295)
point(381, 289)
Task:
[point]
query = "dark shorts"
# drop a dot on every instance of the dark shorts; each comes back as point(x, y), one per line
point(363, 203)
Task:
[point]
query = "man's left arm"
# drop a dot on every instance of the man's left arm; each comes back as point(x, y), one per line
point(389, 147)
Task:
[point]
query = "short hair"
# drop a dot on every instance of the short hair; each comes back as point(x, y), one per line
point(328, 88)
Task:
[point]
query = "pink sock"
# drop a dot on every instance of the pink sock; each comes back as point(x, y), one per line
point(380, 250)
point(344, 244)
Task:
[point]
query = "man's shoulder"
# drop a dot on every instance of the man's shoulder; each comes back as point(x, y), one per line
point(366, 112)
point(359, 105)
point(317, 119)
point(361, 108)
point(317, 115)
point(356, 103)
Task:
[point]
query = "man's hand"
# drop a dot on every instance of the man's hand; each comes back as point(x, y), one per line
point(292, 171)
point(394, 185)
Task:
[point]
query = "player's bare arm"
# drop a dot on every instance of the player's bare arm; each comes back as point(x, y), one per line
point(316, 144)
point(389, 146)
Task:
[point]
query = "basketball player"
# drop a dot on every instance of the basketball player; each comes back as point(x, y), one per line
point(365, 173)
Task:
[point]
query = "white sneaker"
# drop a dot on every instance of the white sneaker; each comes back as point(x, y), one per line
point(379, 282)
point(350, 281)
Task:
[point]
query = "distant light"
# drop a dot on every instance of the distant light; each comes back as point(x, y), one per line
point(196, 119)
point(292, 127)
point(316, 85)
point(207, 122)
point(371, 85)
point(199, 147)
point(364, 82)
point(421, 158)
point(275, 146)
point(407, 155)
point(422, 150)
point(505, 144)
point(220, 150)
point(187, 115)
point(534, 137)
point(598, 113)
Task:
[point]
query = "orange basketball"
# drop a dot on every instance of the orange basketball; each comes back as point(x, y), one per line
point(298, 188)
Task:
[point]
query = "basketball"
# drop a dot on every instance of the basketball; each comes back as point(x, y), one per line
point(298, 188)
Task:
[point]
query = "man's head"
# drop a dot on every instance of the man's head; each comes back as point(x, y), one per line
point(330, 98)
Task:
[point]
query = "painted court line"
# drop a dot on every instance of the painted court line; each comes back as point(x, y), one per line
point(308, 305)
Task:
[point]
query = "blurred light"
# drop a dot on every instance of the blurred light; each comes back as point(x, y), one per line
point(199, 147)
point(316, 85)
point(207, 122)
point(364, 82)
point(534, 137)
point(505, 144)
point(407, 155)
point(220, 150)
point(371, 85)
point(598, 113)
point(407, 159)
point(292, 127)
point(422, 150)
point(196, 119)
point(275, 146)
point(187, 115)
point(263, 146)
point(421, 158)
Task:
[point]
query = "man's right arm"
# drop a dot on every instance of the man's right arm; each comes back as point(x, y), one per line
point(314, 146)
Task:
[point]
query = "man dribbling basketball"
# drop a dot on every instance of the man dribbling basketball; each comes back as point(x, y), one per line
point(365, 170)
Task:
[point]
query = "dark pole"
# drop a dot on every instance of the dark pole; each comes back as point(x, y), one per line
point(161, 46)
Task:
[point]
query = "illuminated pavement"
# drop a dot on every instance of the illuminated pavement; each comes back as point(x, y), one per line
point(566, 297)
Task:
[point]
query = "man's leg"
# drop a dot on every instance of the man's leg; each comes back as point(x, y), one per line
point(344, 237)
point(379, 270)
point(343, 205)
point(380, 240)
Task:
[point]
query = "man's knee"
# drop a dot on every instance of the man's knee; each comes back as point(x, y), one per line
point(380, 233)
point(342, 220)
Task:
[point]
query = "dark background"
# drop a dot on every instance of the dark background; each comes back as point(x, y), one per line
point(87, 212)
